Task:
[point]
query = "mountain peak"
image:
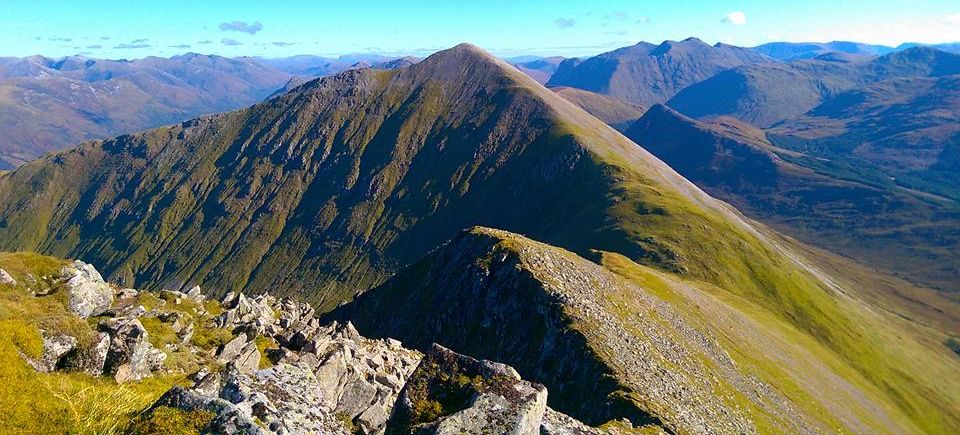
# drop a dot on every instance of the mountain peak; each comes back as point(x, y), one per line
point(668, 46)
point(465, 51)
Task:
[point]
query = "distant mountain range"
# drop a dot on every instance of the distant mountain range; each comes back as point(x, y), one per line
point(808, 50)
point(811, 192)
point(647, 74)
point(848, 146)
point(50, 104)
point(769, 93)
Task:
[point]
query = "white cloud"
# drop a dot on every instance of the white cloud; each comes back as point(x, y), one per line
point(736, 18)
point(952, 19)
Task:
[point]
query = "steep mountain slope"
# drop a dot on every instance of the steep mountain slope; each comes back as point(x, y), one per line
point(808, 50)
point(47, 104)
point(905, 130)
point(619, 347)
point(330, 189)
point(769, 93)
point(646, 74)
point(616, 113)
point(883, 225)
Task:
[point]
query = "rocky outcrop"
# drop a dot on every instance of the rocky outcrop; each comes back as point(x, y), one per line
point(455, 394)
point(256, 315)
point(87, 293)
point(329, 379)
point(130, 356)
point(279, 370)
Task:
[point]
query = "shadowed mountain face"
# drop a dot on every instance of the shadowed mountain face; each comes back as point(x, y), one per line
point(769, 93)
point(46, 104)
point(646, 74)
point(877, 223)
point(330, 189)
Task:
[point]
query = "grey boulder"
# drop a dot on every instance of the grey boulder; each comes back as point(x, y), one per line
point(87, 293)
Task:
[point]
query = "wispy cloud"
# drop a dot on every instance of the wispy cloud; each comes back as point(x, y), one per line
point(205, 41)
point(179, 46)
point(104, 38)
point(616, 16)
point(130, 46)
point(242, 26)
point(139, 41)
point(230, 42)
point(565, 23)
point(642, 20)
point(282, 44)
point(736, 18)
point(94, 47)
point(60, 39)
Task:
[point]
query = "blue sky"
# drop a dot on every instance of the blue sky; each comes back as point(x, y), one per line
point(118, 29)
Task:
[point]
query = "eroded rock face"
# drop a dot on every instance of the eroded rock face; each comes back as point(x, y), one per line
point(87, 293)
point(363, 377)
point(130, 356)
point(451, 393)
point(241, 352)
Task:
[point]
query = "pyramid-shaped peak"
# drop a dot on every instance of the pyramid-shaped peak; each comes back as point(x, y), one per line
point(464, 51)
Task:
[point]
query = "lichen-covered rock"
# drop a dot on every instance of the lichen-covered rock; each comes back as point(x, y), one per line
point(130, 356)
point(228, 418)
point(55, 346)
point(451, 393)
point(286, 399)
point(87, 293)
point(5, 278)
point(256, 315)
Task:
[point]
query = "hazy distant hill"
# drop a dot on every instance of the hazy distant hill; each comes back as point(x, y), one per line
point(48, 104)
point(907, 130)
point(816, 200)
point(808, 50)
point(319, 66)
point(647, 74)
point(538, 68)
point(769, 93)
